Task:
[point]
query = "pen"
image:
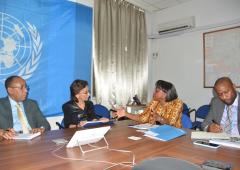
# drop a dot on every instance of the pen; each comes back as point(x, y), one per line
point(214, 122)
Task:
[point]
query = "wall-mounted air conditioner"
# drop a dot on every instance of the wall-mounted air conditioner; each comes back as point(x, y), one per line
point(176, 25)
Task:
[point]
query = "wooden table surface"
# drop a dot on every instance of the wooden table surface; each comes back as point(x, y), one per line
point(42, 153)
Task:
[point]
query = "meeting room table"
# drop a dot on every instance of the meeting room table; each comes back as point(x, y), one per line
point(43, 153)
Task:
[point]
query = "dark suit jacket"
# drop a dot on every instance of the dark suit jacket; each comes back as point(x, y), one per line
point(216, 112)
point(33, 113)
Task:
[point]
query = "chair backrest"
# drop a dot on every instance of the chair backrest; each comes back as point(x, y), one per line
point(101, 111)
point(185, 109)
point(186, 121)
point(202, 111)
point(61, 125)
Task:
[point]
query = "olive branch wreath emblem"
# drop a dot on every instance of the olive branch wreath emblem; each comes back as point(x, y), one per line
point(27, 71)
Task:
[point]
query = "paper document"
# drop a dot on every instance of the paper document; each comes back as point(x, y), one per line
point(232, 142)
point(209, 135)
point(144, 126)
point(30, 136)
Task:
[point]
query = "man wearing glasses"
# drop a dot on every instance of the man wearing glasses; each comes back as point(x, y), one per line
point(17, 113)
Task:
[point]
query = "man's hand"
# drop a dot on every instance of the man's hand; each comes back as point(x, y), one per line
point(7, 134)
point(216, 128)
point(36, 130)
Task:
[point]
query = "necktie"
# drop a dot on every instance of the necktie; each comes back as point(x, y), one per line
point(228, 121)
point(22, 119)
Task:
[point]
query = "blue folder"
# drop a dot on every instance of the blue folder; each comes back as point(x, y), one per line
point(167, 132)
point(97, 124)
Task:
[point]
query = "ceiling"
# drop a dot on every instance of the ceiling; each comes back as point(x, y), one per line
point(148, 5)
point(156, 5)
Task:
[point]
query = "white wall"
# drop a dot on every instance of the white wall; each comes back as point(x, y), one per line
point(180, 58)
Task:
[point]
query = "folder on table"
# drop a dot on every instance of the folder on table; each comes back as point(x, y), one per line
point(165, 132)
point(89, 124)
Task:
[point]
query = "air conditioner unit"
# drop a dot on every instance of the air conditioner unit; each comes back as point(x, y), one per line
point(176, 25)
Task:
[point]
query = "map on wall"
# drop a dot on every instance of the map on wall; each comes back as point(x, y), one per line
point(222, 55)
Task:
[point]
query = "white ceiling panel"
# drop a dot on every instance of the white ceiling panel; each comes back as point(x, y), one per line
point(148, 5)
point(156, 5)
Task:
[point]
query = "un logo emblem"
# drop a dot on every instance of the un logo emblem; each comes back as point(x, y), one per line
point(20, 48)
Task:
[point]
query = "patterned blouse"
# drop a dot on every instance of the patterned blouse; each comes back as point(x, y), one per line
point(172, 112)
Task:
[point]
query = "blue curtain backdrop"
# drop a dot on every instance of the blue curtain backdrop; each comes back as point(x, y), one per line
point(49, 43)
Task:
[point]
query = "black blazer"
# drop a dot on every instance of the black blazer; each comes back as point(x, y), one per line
point(73, 114)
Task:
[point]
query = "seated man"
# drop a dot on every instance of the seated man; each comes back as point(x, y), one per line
point(17, 113)
point(224, 110)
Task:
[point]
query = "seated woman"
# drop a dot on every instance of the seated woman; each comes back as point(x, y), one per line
point(79, 109)
point(165, 108)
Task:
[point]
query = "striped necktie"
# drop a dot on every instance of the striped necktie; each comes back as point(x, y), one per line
point(228, 121)
point(22, 119)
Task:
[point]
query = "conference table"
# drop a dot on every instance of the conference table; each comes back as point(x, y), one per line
point(42, 153)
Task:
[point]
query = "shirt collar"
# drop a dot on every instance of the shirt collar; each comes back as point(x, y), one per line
point(13, 102)
point(235, 103)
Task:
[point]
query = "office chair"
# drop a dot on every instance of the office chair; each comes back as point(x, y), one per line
point(187, 110)
point(60, 125)
point(200, 115)
point(101, 111)
point(186, 122)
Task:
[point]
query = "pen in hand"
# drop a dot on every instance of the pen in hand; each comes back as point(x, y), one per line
point(215, 122)
point(215, 127)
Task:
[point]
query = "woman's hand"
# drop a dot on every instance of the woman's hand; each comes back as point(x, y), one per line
point(120, 113)
point(82, 123)
point(104, 120)
point(158, 118)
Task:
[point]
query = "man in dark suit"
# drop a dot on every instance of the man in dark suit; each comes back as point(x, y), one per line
point(15, 104)
point(224, 114)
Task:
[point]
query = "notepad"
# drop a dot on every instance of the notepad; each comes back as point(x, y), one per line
point(30, 136)
point(209, 135)
point(165, 133)
point(233, 142)
point(144, 126)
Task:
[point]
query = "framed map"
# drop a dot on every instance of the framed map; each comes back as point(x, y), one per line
point(221, 55)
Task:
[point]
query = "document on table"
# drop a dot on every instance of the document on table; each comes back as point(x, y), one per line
point(164, 133)
point(209, 135)
point(144, 126)
point(233, 142)
point(29, 136)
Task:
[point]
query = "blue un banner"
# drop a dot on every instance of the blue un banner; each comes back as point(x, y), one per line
point(49, 44)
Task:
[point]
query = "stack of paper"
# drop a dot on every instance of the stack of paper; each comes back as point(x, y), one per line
point(164, 133)
point(145, 126)
point(209, 135)
point(232, 142)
